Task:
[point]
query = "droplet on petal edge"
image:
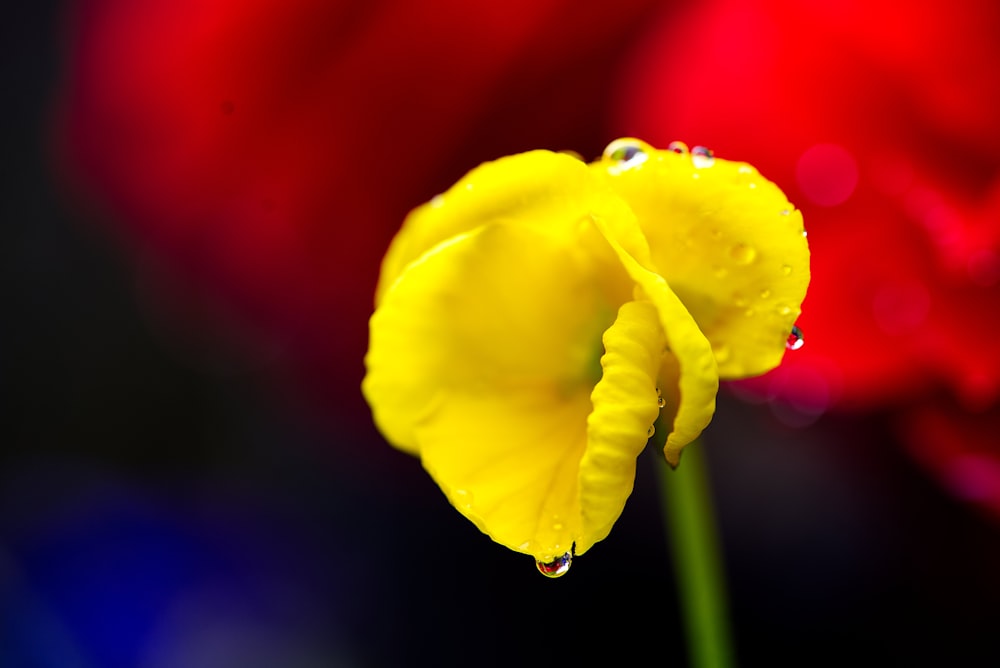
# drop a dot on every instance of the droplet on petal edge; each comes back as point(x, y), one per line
point(678, 147)
point(625, 152)
point(660, 401)
point(650, 431)
point(795, 340)
point(702, 157)
point(557, 567)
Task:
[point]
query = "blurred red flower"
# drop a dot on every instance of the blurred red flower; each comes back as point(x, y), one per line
point(881, 123)
point(259, 154)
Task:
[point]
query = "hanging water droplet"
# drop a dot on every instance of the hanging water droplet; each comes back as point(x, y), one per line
point(660, 401)
point(650, 431)
point(795, 340)
point(625, 152)
point(702, 157)
point(557, 567)
point(678, 147)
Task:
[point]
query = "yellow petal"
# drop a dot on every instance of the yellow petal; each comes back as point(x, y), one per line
point(625, 406)
point(535, 188)
point(505, 308)
point(697, 379)
point(728, 242)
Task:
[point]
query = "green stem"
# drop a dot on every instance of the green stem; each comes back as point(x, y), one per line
point(693, 540)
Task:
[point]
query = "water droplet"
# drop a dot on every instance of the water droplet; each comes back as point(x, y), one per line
point(786, 269)
point(557, 567)
point(745, 169)
point(702, 157)
point(437, 200)
point(625, 152)
point(785, 212)
point(650, 431)
point(557, 526)
point(795, 340)
point(743, 254)
point(739, 300)
point(660, 401)
point(765, 293)
point(463, 498)
point(782, 309)
point(678, 147)
point(721, 352)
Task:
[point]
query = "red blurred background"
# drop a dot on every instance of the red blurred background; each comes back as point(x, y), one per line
point(197, 198)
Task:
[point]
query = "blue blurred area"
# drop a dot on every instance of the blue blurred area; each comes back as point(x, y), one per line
point(159, 509)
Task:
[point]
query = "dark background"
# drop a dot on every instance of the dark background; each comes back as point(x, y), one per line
point(159, 506)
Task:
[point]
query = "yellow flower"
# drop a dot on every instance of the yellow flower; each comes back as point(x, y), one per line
point(533, 322)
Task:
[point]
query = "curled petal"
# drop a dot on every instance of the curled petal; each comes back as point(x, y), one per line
point(728, 242)
point(625, 405)
point(697, 381)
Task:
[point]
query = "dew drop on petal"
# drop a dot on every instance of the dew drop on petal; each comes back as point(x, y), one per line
point(721, 352)
point(660, 401)
point(702, 157)
point(743, 254)
point(678, 147)
point(765, 293)
point(795, 340)
point(650, 431)
point(463, 498)
point(557, 567)
point(786, 269)
point(625, 152)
